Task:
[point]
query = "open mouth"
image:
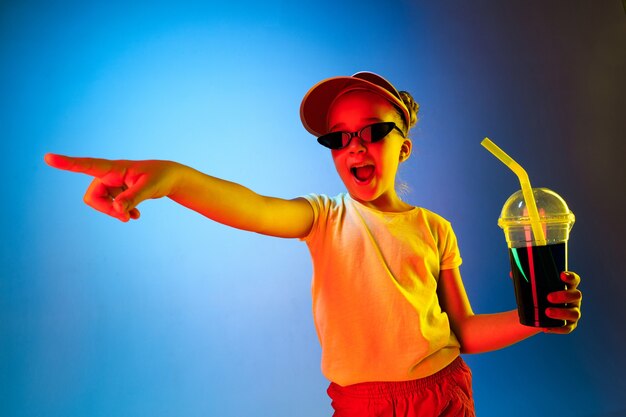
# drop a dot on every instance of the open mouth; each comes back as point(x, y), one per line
point(363, 173)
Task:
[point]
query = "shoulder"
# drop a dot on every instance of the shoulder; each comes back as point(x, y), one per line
point(323, 202)
point(433, 218)
point(327, 211)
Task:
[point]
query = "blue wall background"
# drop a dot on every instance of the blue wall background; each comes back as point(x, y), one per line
point(174, 315)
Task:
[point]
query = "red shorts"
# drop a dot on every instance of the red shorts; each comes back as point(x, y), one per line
point(445, 393)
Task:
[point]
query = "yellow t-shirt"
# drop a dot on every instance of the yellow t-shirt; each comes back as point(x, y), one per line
point(374, 288)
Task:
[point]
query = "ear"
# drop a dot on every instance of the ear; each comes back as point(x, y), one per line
point(405, 150)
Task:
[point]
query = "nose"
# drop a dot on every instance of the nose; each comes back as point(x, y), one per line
point(356, 144)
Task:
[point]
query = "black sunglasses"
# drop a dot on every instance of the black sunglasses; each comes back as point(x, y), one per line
point(369, 134)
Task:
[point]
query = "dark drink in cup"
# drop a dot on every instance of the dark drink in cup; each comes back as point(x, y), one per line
point(536, 273)
point(536, 265)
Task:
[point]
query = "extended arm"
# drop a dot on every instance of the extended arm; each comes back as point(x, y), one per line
point(119, 186)
point(237, 206)
point(479, 333)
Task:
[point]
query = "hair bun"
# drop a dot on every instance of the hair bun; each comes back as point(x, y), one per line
point(413, 107)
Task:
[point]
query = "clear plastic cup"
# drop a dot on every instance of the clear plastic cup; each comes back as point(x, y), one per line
point(536, 265)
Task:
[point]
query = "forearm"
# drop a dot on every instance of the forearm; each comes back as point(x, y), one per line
point(226, 202)
point(486, 332)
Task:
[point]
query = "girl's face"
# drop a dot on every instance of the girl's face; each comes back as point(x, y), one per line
point(368, 170)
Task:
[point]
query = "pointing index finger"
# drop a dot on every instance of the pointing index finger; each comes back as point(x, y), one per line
point(91, 166)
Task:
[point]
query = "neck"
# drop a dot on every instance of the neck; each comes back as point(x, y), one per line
point(386, 203)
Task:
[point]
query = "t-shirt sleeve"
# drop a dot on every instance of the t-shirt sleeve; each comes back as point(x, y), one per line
point(449, 248)
point(318, 204)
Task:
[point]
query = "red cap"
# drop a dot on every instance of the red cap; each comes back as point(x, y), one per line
point(317, 101)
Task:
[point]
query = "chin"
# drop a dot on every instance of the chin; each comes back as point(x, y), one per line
point(363, 196)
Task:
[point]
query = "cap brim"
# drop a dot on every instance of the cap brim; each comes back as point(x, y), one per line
point(317, 101)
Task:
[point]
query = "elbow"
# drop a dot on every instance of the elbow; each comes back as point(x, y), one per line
point(467, 339)
point(470, 346)
point(464, 346)
point(469, 349)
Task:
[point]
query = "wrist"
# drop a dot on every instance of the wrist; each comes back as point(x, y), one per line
point(175, 175)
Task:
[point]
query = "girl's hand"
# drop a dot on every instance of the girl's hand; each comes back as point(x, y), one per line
point(119, 186)
point(573, 297)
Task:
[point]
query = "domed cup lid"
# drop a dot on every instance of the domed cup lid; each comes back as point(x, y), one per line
point(551, 206)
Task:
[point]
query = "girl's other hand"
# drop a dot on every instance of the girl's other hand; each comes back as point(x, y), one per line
point(573, 297)
point(119, 185)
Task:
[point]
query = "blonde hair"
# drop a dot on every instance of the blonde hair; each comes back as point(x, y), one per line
point(413, 107)
point(402, 187)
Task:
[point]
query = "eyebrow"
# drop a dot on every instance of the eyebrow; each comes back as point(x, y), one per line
point(368, 119)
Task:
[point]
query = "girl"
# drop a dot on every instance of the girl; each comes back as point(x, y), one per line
point(389, 305)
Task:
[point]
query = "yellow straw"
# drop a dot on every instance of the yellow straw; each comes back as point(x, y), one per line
point(527, 190)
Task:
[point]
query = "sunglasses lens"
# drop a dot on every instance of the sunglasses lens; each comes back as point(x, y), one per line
point(345, 139)
point(369, 134)
point(376, 132)
point(331, 140)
